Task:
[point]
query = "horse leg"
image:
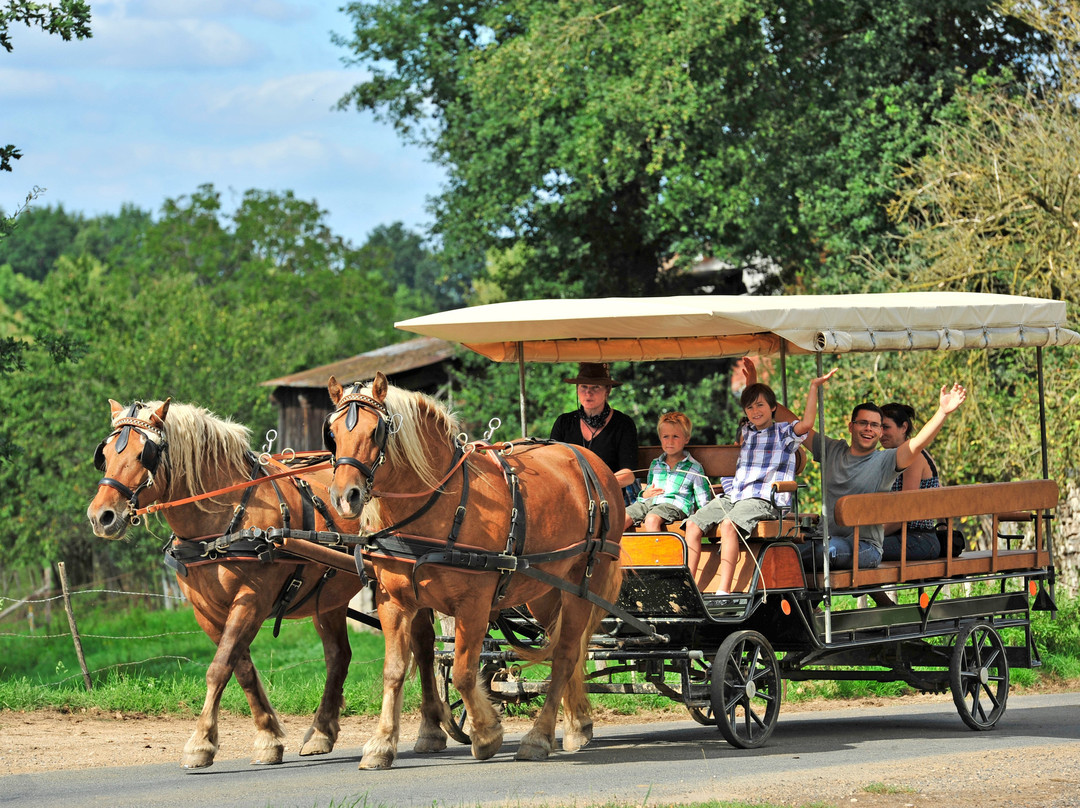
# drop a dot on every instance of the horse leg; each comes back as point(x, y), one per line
point(232, 640)
point(381, 749)
point(268, 746)
point(566, 650)
point(577, 712)
point(487, 731)
point(323, 732)
point(433, 710)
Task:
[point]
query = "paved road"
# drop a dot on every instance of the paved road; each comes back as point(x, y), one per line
point(634, 764)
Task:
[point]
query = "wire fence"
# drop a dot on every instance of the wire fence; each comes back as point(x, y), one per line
point(9, 607)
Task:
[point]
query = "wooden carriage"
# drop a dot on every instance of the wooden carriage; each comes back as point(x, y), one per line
point(724, 656)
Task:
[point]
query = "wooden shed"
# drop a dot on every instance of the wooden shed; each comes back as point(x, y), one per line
point(303, 403)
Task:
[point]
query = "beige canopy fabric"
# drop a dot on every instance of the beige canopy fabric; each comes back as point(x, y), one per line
point(688, 327)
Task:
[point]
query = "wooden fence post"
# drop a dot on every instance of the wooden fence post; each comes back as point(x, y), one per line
point(74, 628)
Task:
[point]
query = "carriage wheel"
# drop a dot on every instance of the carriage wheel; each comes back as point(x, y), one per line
point(979, 675)
point(746, 689)
point(459, 715)
point(703, 715)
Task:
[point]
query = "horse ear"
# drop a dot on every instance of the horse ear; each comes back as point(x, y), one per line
point(116, 406)
point(335, 390)
point(160, 412)
point(378, 387)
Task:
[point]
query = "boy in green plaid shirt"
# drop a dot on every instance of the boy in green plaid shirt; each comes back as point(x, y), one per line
point(676, 485)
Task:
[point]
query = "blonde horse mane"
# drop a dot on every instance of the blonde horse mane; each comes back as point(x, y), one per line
point(200, 442)
point(411, 444)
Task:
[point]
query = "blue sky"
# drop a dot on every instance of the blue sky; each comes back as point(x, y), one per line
point(169, 95)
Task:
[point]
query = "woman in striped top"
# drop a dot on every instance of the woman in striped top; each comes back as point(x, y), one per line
point(922, 540)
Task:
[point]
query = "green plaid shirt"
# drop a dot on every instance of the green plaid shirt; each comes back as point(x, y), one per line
point(685, 486)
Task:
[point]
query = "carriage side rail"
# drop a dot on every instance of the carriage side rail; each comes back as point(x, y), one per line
point(1027, 500)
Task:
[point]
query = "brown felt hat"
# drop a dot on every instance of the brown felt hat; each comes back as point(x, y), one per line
point(593, 373)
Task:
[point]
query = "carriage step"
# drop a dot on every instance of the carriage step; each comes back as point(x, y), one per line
point(727, 605)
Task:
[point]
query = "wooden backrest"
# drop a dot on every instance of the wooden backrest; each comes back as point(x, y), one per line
point(937, 503)
point(718, 460)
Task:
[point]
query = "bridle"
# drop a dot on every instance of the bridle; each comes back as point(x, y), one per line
point(353, 402)
point(155, 446)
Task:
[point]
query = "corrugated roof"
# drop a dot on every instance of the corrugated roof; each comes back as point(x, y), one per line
point(392, 359)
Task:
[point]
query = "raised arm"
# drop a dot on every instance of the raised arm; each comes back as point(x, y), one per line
point(806, 425)
point(948, 402)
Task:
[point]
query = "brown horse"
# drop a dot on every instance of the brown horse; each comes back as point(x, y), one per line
point(161, 453)
point(458, 523)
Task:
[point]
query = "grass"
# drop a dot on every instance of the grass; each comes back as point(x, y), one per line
point(155, 662)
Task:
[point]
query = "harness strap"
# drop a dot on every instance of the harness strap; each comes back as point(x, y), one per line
point(288, 592)
point(241, 509)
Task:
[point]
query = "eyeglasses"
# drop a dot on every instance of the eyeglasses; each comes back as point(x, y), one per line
point(591, 388)
point(861, 424)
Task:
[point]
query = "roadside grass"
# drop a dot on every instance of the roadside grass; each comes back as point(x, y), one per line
point(145, 661)
point(155, 662)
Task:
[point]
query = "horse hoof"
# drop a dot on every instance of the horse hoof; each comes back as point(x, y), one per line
point(316, 744)
point(429, 744)
point(376, 762)
point(197, 760)
point(532, 751)
point(575, 739)
point(482, 748)
point(268, 757)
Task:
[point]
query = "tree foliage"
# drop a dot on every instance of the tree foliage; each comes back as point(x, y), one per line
point(995, 207)
point(200, 305)
point(590, 144)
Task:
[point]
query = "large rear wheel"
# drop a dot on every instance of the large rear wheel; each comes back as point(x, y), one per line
point(979, 675)
point(746, 689)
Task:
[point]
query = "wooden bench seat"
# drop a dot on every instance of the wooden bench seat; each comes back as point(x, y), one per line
point(780, 565)
point(1024, 501)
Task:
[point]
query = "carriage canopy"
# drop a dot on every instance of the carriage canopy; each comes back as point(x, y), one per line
point(689, 327)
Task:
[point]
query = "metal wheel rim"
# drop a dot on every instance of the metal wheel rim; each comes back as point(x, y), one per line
point(746, 689)
point(979, 676)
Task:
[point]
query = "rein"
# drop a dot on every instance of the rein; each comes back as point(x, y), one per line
point(160, 506)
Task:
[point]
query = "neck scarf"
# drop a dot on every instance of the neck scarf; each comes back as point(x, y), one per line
point(594, 422)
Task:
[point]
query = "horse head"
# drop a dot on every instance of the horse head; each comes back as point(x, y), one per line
point(355, 433)
point(130, 458)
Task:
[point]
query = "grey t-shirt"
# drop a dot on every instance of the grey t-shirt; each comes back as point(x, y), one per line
point(854, 474)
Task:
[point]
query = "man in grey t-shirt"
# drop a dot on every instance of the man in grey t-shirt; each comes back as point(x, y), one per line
point(859, 468)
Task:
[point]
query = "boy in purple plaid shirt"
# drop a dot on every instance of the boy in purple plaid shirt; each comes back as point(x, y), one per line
point(676, 484)
point(767, 454)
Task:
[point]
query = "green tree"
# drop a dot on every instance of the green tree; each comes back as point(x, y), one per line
point(590, 144)
point(42, 236)
point(994, 207)
point(199, 305)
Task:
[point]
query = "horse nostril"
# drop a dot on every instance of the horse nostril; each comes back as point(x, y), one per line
point(107, 518)
point(352, 497)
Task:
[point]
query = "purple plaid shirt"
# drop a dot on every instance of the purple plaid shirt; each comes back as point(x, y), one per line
point(765, 457)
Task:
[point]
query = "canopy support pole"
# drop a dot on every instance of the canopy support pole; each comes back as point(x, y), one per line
point(1047, 527)
point(521, 387)
point(783, 372)
point(824, 508)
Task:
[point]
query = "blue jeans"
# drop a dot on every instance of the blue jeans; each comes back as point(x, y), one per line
point(921, 545)
point(841, 553)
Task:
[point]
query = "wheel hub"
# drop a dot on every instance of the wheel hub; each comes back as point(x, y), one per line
point(984, 675)
point(751, 689)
